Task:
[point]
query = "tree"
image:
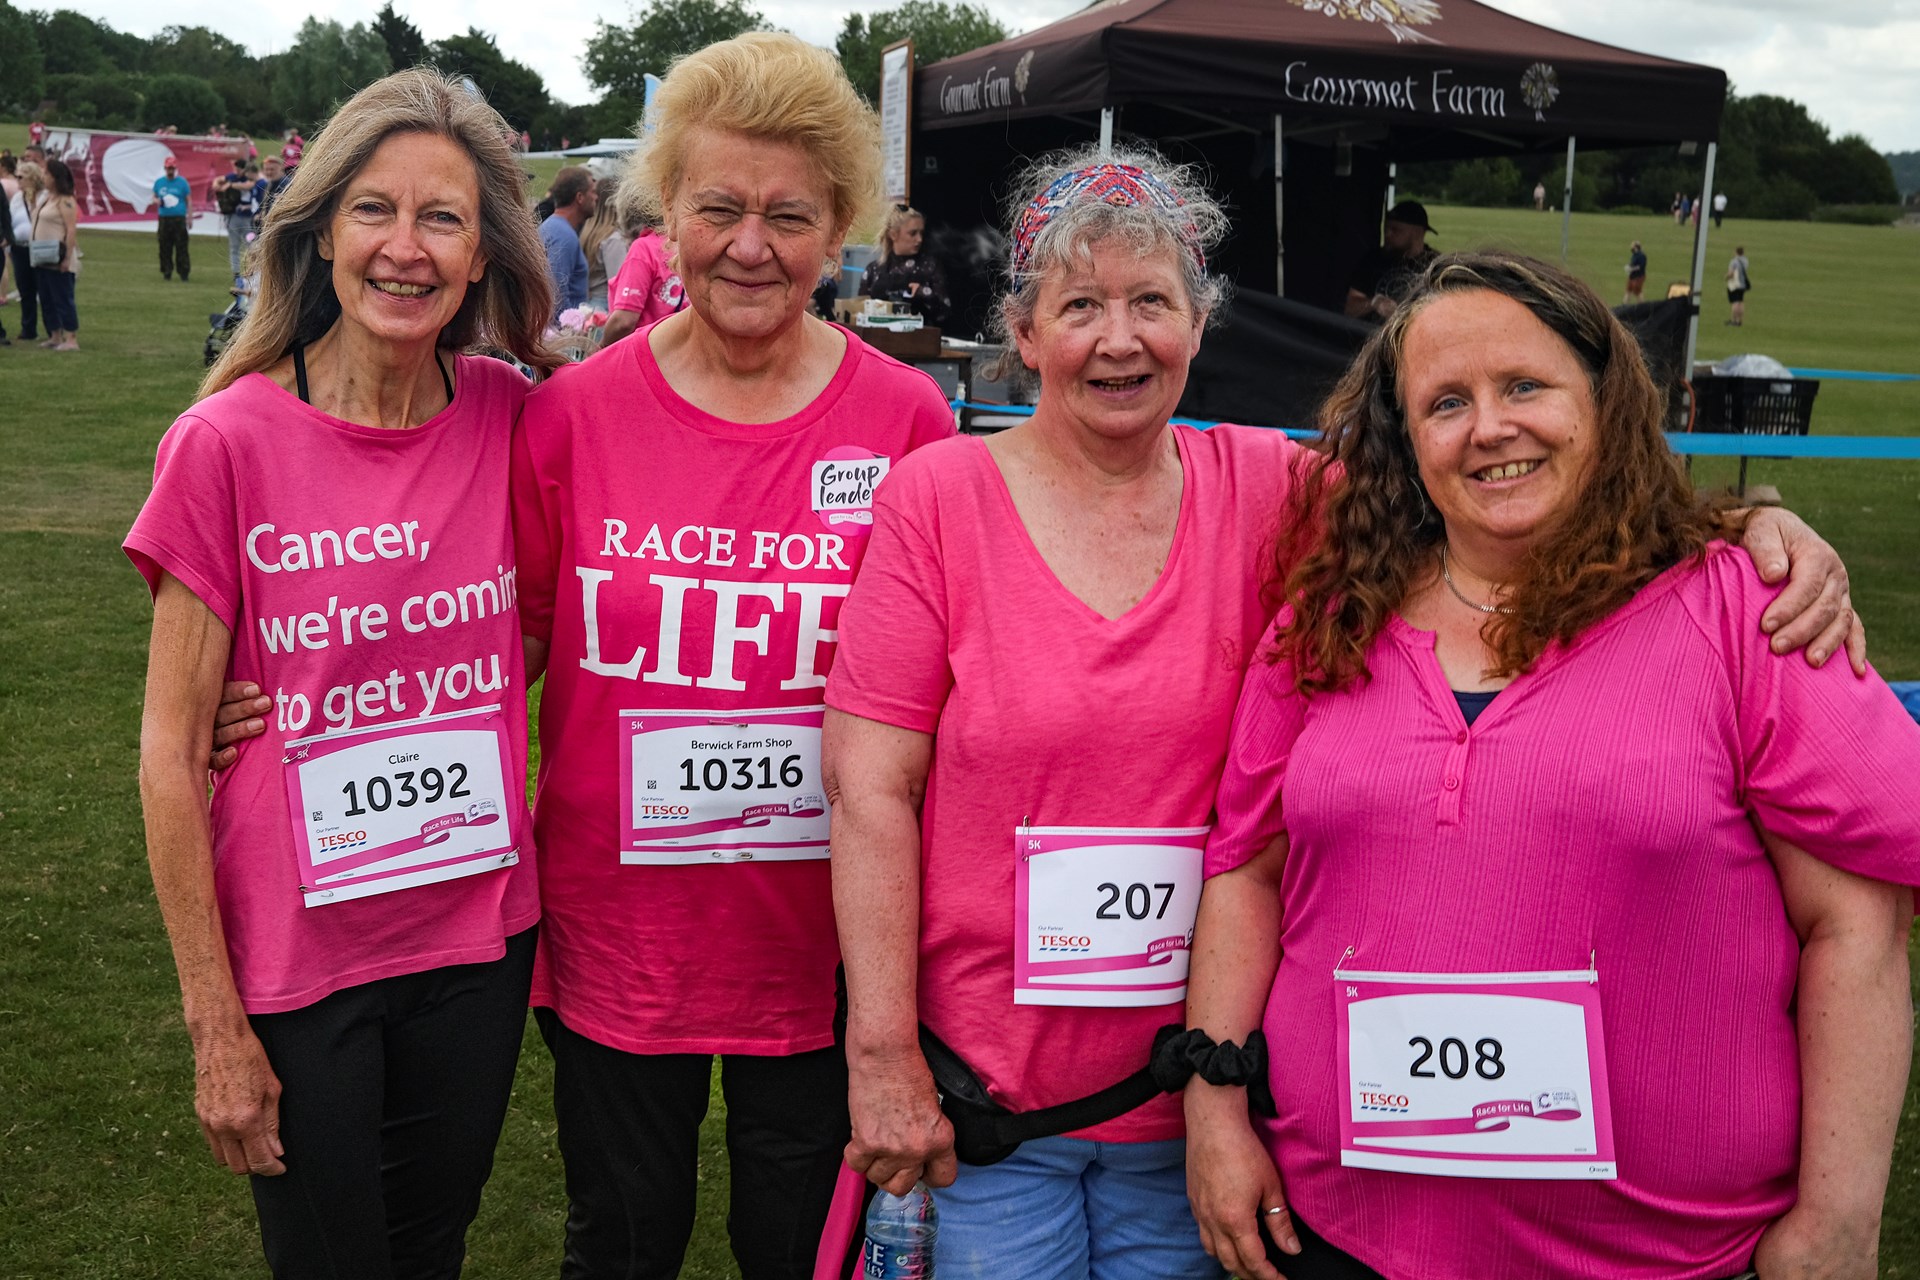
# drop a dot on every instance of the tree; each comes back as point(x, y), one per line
point(236, 75)
point(25, 81)
point(188, 103)
point(74, 44)
point(1857, 174)
point(515, 89)
point(618, 58)
point(1493, 183)
point(110, 100)
point(938, 30)
point(406, 47)
point(326, 63)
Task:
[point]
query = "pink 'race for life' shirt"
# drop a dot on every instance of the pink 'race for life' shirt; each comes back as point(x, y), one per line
point(1602, 806)
point(645, 282)
point(673, 560)
point(1043, 710)
point(366, 576)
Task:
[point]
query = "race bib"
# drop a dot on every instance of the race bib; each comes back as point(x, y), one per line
point(401, 805)
point(706, 787)
point(1481, 1075)
point(1103, 916)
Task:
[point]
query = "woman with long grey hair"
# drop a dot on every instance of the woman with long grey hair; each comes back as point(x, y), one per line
point(352, 915)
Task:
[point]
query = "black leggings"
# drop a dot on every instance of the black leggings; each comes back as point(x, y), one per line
point(393, 1095)
point(629, 1132)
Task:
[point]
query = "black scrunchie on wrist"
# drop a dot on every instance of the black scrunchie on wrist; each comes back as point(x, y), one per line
point(1180, 1055)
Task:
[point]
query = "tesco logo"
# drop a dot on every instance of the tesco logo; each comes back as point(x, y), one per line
point(1384, 1100)
point(1065, 940)
point(664, 810)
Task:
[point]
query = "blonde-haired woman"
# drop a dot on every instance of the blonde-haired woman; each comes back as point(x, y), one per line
point(902, 272)
point(352, 916)
point(604, 240)
point(690, 507)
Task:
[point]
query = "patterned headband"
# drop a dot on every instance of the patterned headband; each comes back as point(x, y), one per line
point(1103, 183)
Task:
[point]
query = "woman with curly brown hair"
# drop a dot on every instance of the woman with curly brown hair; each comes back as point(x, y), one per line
point(1519, 747)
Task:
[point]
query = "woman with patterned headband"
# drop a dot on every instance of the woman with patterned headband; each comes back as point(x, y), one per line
point(1056, 604)
point(1070, 606)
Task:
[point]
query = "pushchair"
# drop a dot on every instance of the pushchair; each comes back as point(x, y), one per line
point(226, 323)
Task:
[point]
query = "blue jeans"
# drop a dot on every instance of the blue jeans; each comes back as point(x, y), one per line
point(1070, 1209)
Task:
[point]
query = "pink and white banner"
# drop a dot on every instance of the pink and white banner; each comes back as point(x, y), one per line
point(114, 173)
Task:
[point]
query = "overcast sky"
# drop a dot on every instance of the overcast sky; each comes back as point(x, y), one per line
point(1854, 63)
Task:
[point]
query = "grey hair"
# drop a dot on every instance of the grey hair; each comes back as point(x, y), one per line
point(1071, 234)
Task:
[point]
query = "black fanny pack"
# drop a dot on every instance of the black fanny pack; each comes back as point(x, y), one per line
point(984, 1132)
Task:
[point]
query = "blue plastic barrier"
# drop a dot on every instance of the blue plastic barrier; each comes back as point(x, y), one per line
point(1715, 444)
point(1854, 375)
point(1908, 691)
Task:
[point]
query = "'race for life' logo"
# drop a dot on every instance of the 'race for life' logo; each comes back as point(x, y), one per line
point(842, 487)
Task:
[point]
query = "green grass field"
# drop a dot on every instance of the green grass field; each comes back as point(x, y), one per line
point(103, 1173)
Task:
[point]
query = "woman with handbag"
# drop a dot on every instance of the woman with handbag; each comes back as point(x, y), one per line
point(52, 254)
point(21, 198)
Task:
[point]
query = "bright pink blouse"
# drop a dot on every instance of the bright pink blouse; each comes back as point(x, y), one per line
point(1604, 805)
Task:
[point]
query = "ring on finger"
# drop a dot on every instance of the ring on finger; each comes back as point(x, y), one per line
point(1279, 1208)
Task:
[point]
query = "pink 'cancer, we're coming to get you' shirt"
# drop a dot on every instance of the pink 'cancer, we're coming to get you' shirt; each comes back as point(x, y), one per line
point(367, 578)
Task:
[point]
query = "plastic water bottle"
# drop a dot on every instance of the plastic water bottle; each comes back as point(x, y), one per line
point(900, 1232)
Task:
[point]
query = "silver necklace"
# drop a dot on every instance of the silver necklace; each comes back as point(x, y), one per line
point(1460, 595)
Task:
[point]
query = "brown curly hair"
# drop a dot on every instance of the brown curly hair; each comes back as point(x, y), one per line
point(1363, 532)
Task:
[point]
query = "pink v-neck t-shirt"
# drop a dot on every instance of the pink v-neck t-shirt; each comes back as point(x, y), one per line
point(1601, 809)
point(675, 561)
point(367, 578)
point(1046, 713)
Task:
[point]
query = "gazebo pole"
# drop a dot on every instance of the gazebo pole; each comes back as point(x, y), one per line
point(1566, 208)
point(1699, 264)
point(1279, 209)
point(1106, 131)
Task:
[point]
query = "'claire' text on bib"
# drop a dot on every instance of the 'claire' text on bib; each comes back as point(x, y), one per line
point(398, 805)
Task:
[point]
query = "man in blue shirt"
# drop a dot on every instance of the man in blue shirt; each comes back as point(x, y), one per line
point(234, 192)
point(574, 198)
point(173, 198)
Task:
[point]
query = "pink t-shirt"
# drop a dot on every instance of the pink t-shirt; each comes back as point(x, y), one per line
point(674, 561)
point(367, 578)
point(645, 283)
point(1603, 805)
point(1048, 713)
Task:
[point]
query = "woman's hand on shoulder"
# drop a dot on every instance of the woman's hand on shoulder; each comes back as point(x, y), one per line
point(239, 717)
point(1232, 1184)
point(1814, 611)
point(1807, 1245)
point(900, 1135)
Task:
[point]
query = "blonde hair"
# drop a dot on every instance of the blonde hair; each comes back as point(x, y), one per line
point(897, 219)
point(605, 220)
point(33, 180)
point(507, 308)
point(764, 84)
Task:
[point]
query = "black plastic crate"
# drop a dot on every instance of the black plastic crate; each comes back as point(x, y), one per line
point(1753, 406)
